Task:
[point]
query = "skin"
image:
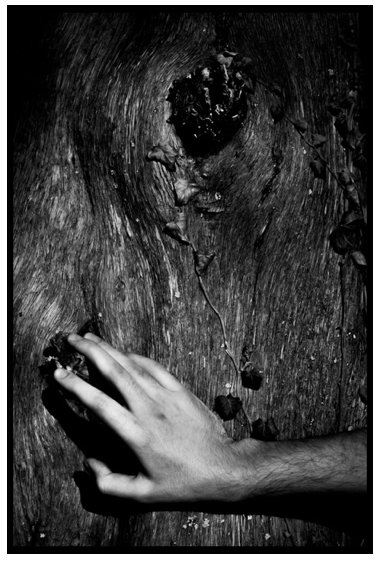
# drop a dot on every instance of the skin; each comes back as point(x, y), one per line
point(185, 452)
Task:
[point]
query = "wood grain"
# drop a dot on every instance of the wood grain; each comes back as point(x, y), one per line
point(89, 214)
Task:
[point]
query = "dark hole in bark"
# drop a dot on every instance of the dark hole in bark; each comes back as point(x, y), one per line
point(208, 107)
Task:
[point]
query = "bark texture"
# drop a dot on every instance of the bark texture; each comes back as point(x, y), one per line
point(89, 213)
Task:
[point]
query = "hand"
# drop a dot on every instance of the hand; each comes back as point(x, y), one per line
point(181, 444)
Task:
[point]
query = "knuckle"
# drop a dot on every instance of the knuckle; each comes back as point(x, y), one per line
point(184, 398)
point(160, 411)
point(116, 370)
point(100, 403)
point(103, 484)
point(130, 355)
point(144, 494)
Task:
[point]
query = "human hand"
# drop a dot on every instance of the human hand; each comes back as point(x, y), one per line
point(182, 445)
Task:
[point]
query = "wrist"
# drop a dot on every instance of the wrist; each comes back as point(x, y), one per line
point(249, 478)
point(318, 465)
point(258, 469)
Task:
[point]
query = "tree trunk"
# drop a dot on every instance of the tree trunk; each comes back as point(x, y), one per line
point(90, 211)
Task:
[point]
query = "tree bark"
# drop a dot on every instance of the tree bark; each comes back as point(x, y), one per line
point(89, 214)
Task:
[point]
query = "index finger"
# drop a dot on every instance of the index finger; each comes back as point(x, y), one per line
point(110, 368)
point(118, 418)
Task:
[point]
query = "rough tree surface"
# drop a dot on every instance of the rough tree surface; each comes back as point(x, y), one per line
point(90, 211)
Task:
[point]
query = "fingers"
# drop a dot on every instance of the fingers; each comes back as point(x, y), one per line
point(157, 371)
point(120, 485)
point(118, 418)
point(141, 377)
point(98, 468)
point(108, 366)
point(131, 360)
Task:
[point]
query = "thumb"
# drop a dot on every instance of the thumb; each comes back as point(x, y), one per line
point(136, 488)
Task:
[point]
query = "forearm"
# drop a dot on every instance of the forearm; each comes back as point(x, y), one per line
point(335, 464)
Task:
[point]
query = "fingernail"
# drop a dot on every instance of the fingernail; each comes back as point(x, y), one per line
point(60, 374)
point(92, 337)
point(87, 336)
point(74, 337)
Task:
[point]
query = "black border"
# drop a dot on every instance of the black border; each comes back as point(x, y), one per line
point(33, 13)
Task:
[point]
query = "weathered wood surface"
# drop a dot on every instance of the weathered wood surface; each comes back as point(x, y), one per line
point(89, 214)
